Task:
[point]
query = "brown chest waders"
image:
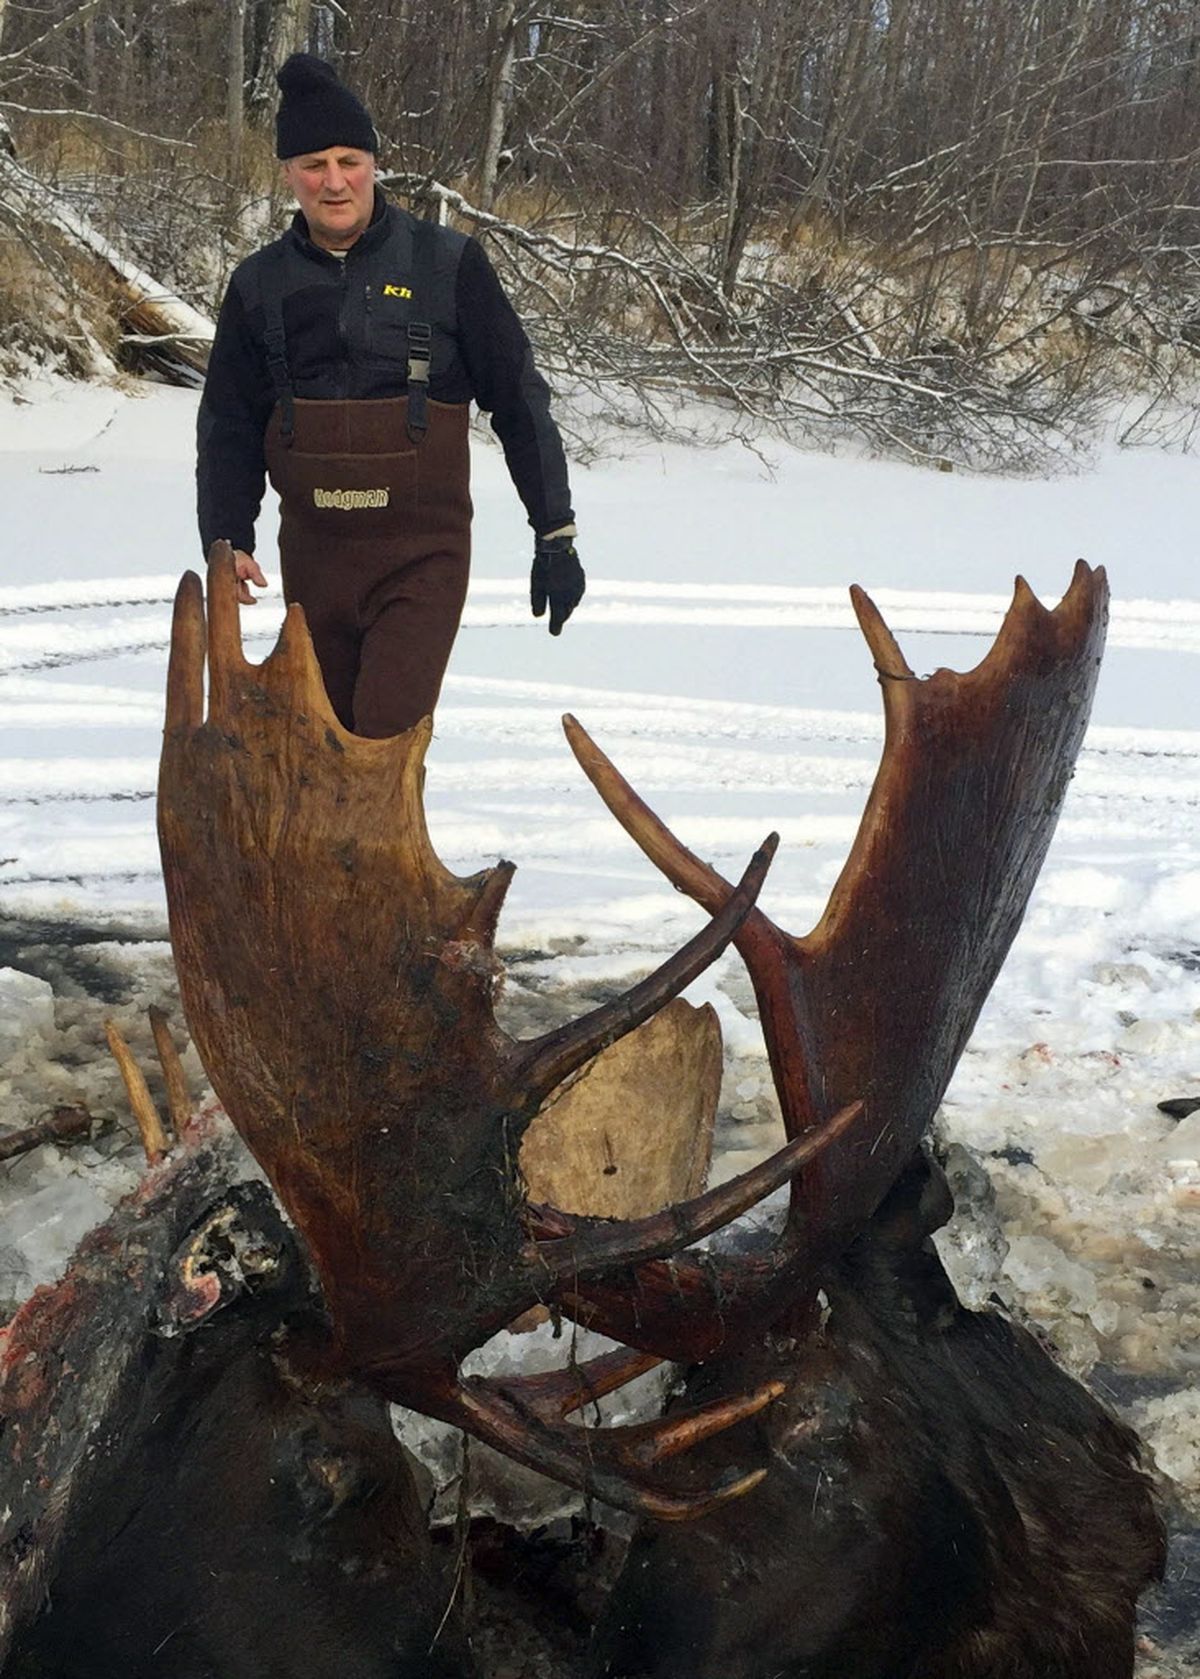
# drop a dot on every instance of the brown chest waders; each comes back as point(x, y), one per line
point(375, 530)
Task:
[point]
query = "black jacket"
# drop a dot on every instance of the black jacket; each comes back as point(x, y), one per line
point(347, 337)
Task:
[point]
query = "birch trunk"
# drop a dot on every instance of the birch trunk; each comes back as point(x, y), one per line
point(235, 88)
point(287, 32)
point(499, 99)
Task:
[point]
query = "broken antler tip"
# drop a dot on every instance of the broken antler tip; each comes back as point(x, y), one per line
point(418, 740)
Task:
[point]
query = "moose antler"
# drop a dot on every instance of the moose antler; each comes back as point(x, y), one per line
point(877, 1002)
point(338, 982)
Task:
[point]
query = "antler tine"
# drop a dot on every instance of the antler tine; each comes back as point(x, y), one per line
point(291, 668)
point(185, 669)
point(149, 1122)
point(539, 1066)
point(178, 1105)
point(599, 1245)
point(1030, 628)
point(682, 1430)
point(609, 1463)
point(766, 949)
point(885, 650)
point(688, 1307)
point(556, 1393)
point(225, 658)
point(681, 866)
point(485, 914)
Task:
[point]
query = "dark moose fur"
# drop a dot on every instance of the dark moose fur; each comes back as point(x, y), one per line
point(941, 1504)
point(248, 1514)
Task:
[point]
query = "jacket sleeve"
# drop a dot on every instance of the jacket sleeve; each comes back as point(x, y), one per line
point(234, 410)
point(506, 384)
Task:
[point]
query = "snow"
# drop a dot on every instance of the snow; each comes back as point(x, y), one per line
point(716, 659)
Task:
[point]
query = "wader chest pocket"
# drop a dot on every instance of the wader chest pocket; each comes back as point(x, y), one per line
point(348, 495)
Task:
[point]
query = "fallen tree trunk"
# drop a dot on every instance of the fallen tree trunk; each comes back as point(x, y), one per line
point(155, 319)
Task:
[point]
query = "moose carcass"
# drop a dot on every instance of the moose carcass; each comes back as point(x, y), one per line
point(188, 1485)
point(338, 982)
point(942, 1501)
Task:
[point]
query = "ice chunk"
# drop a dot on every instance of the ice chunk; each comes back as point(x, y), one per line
point(45, 1227)
point(496, 1485)
point(1170, 1426)
point(26, 1010)
point(1044, 1273)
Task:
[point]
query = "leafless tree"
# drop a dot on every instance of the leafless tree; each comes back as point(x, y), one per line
point(950, 224)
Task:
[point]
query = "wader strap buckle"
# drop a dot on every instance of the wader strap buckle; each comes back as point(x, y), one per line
point(420, 333)
point(420, 351)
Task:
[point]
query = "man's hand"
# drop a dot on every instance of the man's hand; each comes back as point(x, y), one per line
point(247, 566)
point(557, 577)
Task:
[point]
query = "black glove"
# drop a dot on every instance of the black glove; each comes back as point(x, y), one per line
point(557, 577)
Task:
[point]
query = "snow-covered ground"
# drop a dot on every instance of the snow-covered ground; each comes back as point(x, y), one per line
point(717, 662)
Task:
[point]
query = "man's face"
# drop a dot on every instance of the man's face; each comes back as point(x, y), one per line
point(335, 190)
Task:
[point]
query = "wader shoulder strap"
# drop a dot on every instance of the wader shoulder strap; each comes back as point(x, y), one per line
point(420, 331)
point(276, 343)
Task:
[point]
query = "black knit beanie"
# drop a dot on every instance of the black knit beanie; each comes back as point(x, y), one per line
point(316, 111)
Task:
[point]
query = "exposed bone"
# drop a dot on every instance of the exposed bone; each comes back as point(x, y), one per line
point(179, 1103)
point(149, 1121)
point(590, 1149)
point(596, 1245)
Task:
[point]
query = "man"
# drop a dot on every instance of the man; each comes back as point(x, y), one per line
point(346, 355)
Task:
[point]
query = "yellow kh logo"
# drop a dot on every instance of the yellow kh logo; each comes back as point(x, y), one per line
point(396, 291)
